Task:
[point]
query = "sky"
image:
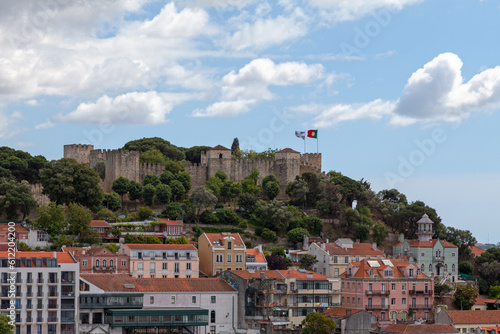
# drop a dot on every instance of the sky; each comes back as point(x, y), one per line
point(403, 93)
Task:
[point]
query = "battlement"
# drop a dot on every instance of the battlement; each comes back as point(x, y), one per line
point(79, 146)
point(79, 152)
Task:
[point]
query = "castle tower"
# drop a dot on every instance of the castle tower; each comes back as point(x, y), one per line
point(424, 229)
point(287, 166)
point(219, 158)
point(79, 152)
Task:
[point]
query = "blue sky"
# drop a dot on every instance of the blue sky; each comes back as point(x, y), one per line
point(404, 93)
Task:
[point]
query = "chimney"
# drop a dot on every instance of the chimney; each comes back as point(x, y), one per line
point(305, 242)
point(54, 254)
point(374, 246)
point(327, 241)
point(323, 246)
point(259, 248)
point(401, 237)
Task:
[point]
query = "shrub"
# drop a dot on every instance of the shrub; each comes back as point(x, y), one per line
point(269, 235)
point(145, 212)
point(208, 217)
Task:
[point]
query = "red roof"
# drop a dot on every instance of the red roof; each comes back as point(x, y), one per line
point(413, 328)
point(4, 227)
point(220, 148)
point(475, 317)
point(339, 311)
point(428, 244)
point(363, 249)
point(259, 257)
point(287, 150)
point(99, 223)
point(302, 275)
point(364, 268)
point(62, 257)
point(476, 251)
point(212, 237)
point(245, 274)
point(117, 283)
point(161, 246)
point(169, 221)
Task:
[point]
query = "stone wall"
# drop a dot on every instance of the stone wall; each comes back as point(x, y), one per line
point(79, 152)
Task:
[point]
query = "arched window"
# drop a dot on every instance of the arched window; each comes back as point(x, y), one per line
point(97, 263)
point(212, 317)
point(104, 263)
point(453, 267)
point(445, 267)
point(423, 268)
point(430, 267)
point(111, 263)
point(393, 315)
point(404, 315)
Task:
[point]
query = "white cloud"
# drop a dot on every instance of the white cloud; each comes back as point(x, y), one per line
point(9, 126)
point(435, 93)
point(243, 89)
point(149, 108)
point(264, 33)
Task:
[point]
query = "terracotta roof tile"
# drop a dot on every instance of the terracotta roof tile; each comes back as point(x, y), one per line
point(430, 243)
point(413, 328)
point(475, 317)
point(62, 257)
point(220, 148)
point(161, 246)
point(4, 227)
point(169, 221)
point(339, 311)
point(116, 282)
point(483, 301)
point(476, 251)
point(220, 236)
point(357, 249)
point(302, 275)
point(287, 150)
point(259, 257)
point(245, 274)
point(99, 223)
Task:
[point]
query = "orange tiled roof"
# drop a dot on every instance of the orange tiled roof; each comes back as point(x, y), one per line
point(169, 221)
point(245, 274)
point(339, 311)
point(483, 301)
point(259, 257)
point(413, 328)
point(475, 317)
point(99, 223)
point(364, 268)
point(476, 251)
point(117, 282)
point(287, 150)
point(357, 249)
point(161, 246)
point(220, 148)
point(220, 236)
point(4, 227)
point(428, 244)
point(62, 257)
point(301, 275)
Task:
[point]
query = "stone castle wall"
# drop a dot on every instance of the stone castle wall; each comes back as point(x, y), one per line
point(285, 166)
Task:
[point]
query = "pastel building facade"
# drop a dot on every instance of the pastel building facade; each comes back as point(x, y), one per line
point(99, 260)
point(433, 256)
point(162, 260)
point(391, 289)
point(220, 252)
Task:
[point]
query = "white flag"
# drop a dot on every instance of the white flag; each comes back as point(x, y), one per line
point(301, 134)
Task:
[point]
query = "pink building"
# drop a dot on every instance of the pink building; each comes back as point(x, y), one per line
point(169, 228)
point(162, 261)
point(99, 260)
point(391, 289)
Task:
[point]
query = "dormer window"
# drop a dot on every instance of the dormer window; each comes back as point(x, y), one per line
point(229, 245)
point(371, 272)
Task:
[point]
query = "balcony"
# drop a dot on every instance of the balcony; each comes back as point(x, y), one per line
point(104, 269)
point(438, 259)
point(40, 281)
point(53, 281)
point(29, 294)
point(377, 292)
point(53, 294)
point(40, 295)
point(421, 306)
point(29, 280)
point(421, 292)
point(377, 307)
point(52, 319)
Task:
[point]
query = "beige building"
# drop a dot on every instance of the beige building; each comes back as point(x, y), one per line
point(220, 252)
point(468, 321)
point(162, 261)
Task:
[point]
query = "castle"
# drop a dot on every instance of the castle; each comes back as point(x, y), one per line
point(286, 165)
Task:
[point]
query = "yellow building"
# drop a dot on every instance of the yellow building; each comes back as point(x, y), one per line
point(221, 251)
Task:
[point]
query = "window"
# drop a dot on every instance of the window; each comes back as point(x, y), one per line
point(404, 315)
point(212, 317)
point(336, 272)
point(188, 276)
point(347, 300)
point(152, 267)
point(229, 245)
point(393, 301)
point(124, 263)
point(193, 299)
point(164, 265)
point(111, 263)
point(139, 255)
point(393, 286)
point(423, 254)
point(335, 260)
point(97, 263)
point(228, 257)
point(453, 267)
point(346, 259)
point(382, 316)
point(164, 276)
point(371, 272)
point(151, 299)
point(218, 258)
point(104, 263)
point(212, 330)
point(213, 299)
point(164, 255)
point(140, 266)
point(423, 268)
point(359, 301)
point(445, 267)
point(188, 266)
point(188, 256)
point(152, 255)
point(453, 254)
point(176, 267)
point(172, 299)
point(348, 285)
point(393, 315)
point(426, 289)
point(84, 263)
point(176, 256)
point(370, 286)
point(430, 267)
point(403, 301)
point(410, 272)
point(239, 258)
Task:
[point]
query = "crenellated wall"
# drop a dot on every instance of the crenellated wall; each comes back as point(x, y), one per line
point(79, 152)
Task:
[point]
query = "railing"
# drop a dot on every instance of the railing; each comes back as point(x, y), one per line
point(52, 319)
point(377, 307)
point(29, 280)
point(53, 281)
point(29, 294)
point(438, 259)
point(420, 306)
point(68, 280)
point(377, 292)
point(53, 294)
point(40, 281)
point(420, 292)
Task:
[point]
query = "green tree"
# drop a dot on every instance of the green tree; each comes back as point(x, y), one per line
point(193, 154)
point(185, 179)
point(465, 297)
point(78, 218)
point(230, 190)
point(149, 194)
point(112, 201)
point(227, 217)
point(273, 216)
point(15, 197)
point(307, 261)
point(113, 248)
point(221, 175)
point(178, 190)
point(297, 190)
point(163, 193)
point(380, 232)
point(189, 211)
point(174, 166)
point(65, 181)
point(465, 268)
point(152, 156)
point(166, 177)
point(248, 203)
point(51, 219)
point(116, 232)
point(494, 292)
point(349, 189)
point(165, 147)
point(235, 148)
point(215, 185)
point(5, 326)
point(278, 250)
point(314, 225)
point(151, 179)
point(121, 186)
point(90, 236)
point(106, 214)
point(317, 323)
point(135, 191)
point(329, 206)
point(271, 189)
point(173, 210)
point(268, 235)
point(202, 198)
point(249, 184)
point(145, 212)
point(297, 235)
point(208, 217)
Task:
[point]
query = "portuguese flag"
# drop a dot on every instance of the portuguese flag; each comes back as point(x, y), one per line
point(312, 134)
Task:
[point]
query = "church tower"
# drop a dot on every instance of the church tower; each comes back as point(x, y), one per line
point(425, 231)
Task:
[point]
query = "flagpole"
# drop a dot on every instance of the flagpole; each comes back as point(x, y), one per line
point(305, 145)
